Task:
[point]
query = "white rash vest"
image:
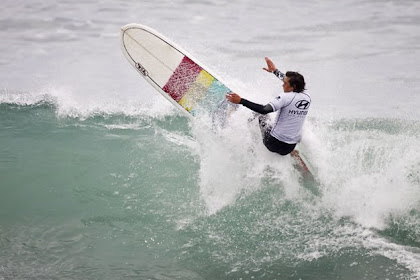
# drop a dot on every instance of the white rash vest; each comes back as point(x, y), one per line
point(293, 108)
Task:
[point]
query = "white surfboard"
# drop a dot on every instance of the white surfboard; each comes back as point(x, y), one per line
point(177, 75)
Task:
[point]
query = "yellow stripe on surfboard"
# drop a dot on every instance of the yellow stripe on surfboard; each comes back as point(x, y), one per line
point(197, 90)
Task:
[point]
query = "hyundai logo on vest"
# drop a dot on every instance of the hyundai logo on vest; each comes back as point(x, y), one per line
point(302, 104)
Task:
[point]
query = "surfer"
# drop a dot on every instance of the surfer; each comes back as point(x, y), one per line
point(292, 107)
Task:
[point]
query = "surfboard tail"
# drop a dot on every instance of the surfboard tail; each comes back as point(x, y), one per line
point(302, 166)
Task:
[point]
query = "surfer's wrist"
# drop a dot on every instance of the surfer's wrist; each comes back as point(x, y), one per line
point(278, 74)
point(241, 101)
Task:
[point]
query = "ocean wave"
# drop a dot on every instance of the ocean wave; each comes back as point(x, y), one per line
point(66, 104)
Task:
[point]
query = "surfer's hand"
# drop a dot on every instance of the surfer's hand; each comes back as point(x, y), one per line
point(233, 97)
point(270, 65)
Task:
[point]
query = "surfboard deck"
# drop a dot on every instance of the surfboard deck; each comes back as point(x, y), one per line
point(177, 75)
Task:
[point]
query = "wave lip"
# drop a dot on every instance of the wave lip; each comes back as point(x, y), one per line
point(66, 103)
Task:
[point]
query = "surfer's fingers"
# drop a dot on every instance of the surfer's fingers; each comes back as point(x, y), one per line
point(269, 62)
point(233, 97)
point(270, 65)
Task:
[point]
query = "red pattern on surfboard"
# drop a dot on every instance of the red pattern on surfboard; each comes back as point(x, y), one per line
point(182, 78)
point(297, 157)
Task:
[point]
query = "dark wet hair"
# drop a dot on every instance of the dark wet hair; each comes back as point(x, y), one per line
point(296, 81)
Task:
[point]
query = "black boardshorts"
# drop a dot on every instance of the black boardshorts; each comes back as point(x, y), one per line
point(273, 144)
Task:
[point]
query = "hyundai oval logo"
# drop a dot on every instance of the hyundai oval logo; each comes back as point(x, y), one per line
point(302, 104)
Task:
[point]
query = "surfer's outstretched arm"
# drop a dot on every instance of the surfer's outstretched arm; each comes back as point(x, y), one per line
point(262, 109)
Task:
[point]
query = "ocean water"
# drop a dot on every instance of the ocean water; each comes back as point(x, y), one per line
point(101, 178)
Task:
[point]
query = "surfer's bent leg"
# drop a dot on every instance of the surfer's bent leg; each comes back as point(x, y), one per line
point(273, 144)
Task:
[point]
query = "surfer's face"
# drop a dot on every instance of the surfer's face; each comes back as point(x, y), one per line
point(286, 85)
